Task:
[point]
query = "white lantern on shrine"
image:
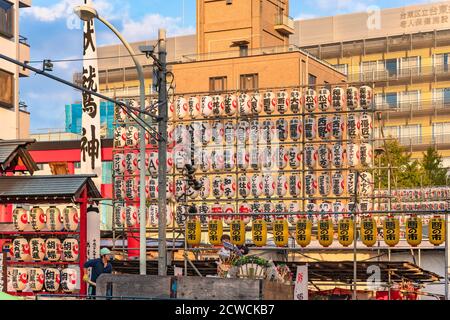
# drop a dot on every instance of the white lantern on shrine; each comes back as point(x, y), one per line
point(153, 163)
point(55, 220)
point(20, 218)
point(351, 182)
point(180, 156)
point(131, 215)
point(353, 126)
point(282, 185)
point(337, 127)
point(311, 100)
point(254, 155)
point(310, 184)
point(206, 106)
point(267, 132)
point(339, 98)
point(256, 184)
point(70, 250)
point(205, 191)
point(218, 106)
point(217, 132)
point(353, 155)
point(324, 127)
point(324, 156)
point(131, 162)
point(293, 210)
point(217, 159)
point(245, 104)
point(52, 279)
point(281, 157)
point(283, 102)
point(352, 98)
point(268, 185)
point(180, 188)
point(310, 156)
point(338, 183)
point(295, 185)
point(256, 103)
point(282, 128)
point(69, 278)
point(38, 249)
point(337, 155)
point(71, 218)
point(266, 157)
point(324, 183)
point(131, 188)
point(202, 158)
point(19, 278)
point(310, 128)
point(36, 279)
point(296, 101)
point(38, 219)
point(194, 107)
point(295, 129)
point(244, 186)
point(229, 132)
point(324, 99)
point(132, 136)
point(231, 104)
point(119, 163)
point(21, 249)
point(53, 249)
point(119, 188)
point(153, 188)
point(366, 97)
point(120, 137)
point(365, 184)
point(152, 215)
point(366, 125)
point(294, 156)
point(270, 102)
point(229, 186)
point(242, 131)
point(229, 158)
point(217, 187)
point(181, 108)
point(366, 154)
point(338, 208)
point(242, 158)
point(244, 210)
point(228, 209)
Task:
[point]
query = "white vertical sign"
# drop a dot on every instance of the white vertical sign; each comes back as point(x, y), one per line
point(93, 233)
point(301, 283)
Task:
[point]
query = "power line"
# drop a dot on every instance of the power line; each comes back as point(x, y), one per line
point(81, 59)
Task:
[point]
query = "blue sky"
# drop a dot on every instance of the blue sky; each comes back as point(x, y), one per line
point(55, 33)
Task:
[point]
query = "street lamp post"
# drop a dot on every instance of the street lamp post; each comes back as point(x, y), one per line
point(87, 13)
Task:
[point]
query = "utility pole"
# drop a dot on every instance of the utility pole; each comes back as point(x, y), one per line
point(162, 154)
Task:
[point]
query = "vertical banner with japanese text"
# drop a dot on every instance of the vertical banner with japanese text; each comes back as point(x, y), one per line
point(301, 283)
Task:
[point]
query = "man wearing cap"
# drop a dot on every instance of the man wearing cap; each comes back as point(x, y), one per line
point(99, 266)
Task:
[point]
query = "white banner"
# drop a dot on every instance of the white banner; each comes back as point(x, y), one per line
point(301, 283)
point(93, 233)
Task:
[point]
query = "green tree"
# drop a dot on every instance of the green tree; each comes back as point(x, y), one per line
point(434, 172)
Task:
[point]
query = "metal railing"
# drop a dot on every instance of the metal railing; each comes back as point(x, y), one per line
point(417, 105)
point(282, 19)
point(400, 74)
point(416, 141)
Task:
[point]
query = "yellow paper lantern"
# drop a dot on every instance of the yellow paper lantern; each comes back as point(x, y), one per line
point(303, 232)
point(259, 232)
point(436, 231)
point(391, 231)
point(369, 231)
point(414, 231)
point(193, 232)
point(281, 232)
point(346, 232)
point(215, 231)
point(325, 232)
point(237, 232)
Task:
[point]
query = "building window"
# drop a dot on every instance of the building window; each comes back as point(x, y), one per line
point(6, 19)
point(390, 100)
point(441, 97)
point(217, 84)
point(342, 68)
point(411, 134)
point(410, 65)
point(312, 80)
point(6, 89)
point(249, 82)
point(441, 132)
point(441, 62)
point(410, 99)
point(391, 67)
point(243, 50)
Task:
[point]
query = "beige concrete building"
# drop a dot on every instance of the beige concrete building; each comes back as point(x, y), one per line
point(14, 119)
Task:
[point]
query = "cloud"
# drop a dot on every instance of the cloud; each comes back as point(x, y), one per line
point(305, 16)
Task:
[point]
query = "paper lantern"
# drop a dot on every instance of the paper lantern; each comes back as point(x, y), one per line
point(268, 207)
point(366, 125)
point(366, 154)
point(296, 101)
point(152, 215)
point(242, 158)
point(353, 154)
point(338, 209)
point(171, 107)
point(244, 186)
point(337, 155)
point(36, 279)
point(180, 188)
point(237, 232)
point(119, 163)
point(132, 136)
point(215, 231)
point(266, 158)
point(131, 215)
point(303, 232)
point(132, 188)
point(281, 185)
point(351, 182)
point(119, 114)
point(229, 186)
point(391, 231)
point(203, 159)
point(324, 183)
point(436, 231)
point(180, 157)
point(38, 219)
point(21, 249)
point(338, 183)
point(52, 279)
point(282, 127)
point(283, 102)
point(256, 184)
point(245, 104)
point(325, 209)
point(295, 157)
point(269, 102)
point(229, 132)
point(244, 210)
point(194, 107)
point(281, 209)
point(346, 232)
point(280, 232)
point(19, 278)
point(256, 103)
point(120, 137)
point(310, 156)
point(365, 184)
point(339, 98)
point(20, 219)
point(311, 100)
point(293, 209)
point(324, 156)
point(131, 162)
point(310, 184)
point(353, 126)
point(255, 131)
point(70, 250)
point(310, 128)
point(53, 249)
point(229, 159)
point(254, 155)
point(71, 218)
point(231, 104)
point(325, 232)
point(295, 185)
point(366, 97)
point(119, 188)
point(181, 108)
point(369, 231)
point(281, 157)
point(193, 232)
point(337, 126)
point(218, 106)
point(267, 132)
point(217, 187)
point(414, 231)
point(206, 106)
point(324, 127)
point(182, 135)
point(217, 132)
point(259, 232)
point(217, 159)
point(69, 278)
point(352, 98)
point(243, 128)
point(295, 129)
point(228, 209)
point(324, 99)
point(205, 191)
point(37, 248)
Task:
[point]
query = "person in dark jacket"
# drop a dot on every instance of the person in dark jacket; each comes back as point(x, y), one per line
point(98, 266)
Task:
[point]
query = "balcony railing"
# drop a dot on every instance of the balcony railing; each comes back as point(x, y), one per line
point(419, 142)
point(6, 21)
point(284, 24)
point(410, 106)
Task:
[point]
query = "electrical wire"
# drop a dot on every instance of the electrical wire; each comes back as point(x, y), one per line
point(82, 59)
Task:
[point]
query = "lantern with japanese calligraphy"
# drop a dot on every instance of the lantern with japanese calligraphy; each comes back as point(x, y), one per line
point(38, 219)
point(310, 156)
point(21, 249)
point(182, 135)
point(293, 210)
point(295, 157)
point(180, 188)
point(202, 158)
point(229, 132)
point(324, 99)
point(324, 156)
point(369, 231)
point(269, 102)
point(366, 97)
point(242, 131)
point(338, 98)
point(366, 154)
point(205, 191)
point(229, 186)
point(337, 126)
point(52, 279)
point(391, 231)
point(217, 132)
point(19, 278)
point(20, 218)
point(337, 155)
point(244, 104)
point(365, 184)
point(256, 103)
point(217, 187)
point(295, 129)
point(324, 183)
point(280, 209)
point(353, 154)
point(310, 184)
point(181, 107)
point(311, 100)
point(132, 136)
point(131, 162)
point(351, 182)
point(206, 106)
point(414, 230)
point(254, 131)
point(325, 232)
point(71, 218)
point(152, 215)
point(119, 114)
point(193, 232)
point(281, 157)
point(229, 157)
point(119, 163)
point(180, 156)
point(324, 127)
point(218, 105)
point(267, 132)
point(352, 98)
point(37, 248)
point(194, 107)
point(282, 127)
point(283, 102)
point(244, 209)
point(69, 280)
point(244, 186)
point(131, 188)
point(268, 207)
point(282, 185)
point(237, 232)
point(228, 208)
point(338, 209)
point(256, 184)
point(295, 185)
point(366, 125)
point(280, 232)
point(231, 104)
point(266, 157)
point(217, 159)
point(259, 232)
point(338, 183)
point(70, 249)
point(36, 279)
point(346, 231)
point(120, 137)
point(53, 249)
point(268, 185)
point(131, 215)
point(353, 126)
point(242, 158)
point(296, 101)
point(303, 230)
point(310, 128)
point(436, 230)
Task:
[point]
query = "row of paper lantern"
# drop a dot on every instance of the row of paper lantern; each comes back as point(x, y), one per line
point(38, 249)
point(325, 232)
point(49, 279)
point(128, 216)
point(296, 101)
point(426, 194)
point(52, 219)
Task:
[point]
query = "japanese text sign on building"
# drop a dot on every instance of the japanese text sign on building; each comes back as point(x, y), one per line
point(301, 283)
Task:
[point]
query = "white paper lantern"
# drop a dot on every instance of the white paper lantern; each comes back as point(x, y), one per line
point(71, 218)
point(366, 97)
point(325, 208)
point(120, 137)
point(119, 188)
point(366, 125)
point(365, 184)
point(217, 187)
point(70, 250)
point(231, 104)
point(229, 159)
point(338, 126)
point(295, 185)
point(21, 249)
point(53, 249)
point(337, 155)
point(324, 99)
point(218, 106)
point(310, 156)
point(243, 131)
point(244, 209)
point(38, 219)
point(152, 216)
point(20, 219)
point(296, 101)
point(282, 128)
point(339, 98)
point(217, 159)
point(19, 278)
point(242, 158)
point(205, 191)
point(229, 132)
point(268, 185)
point(244, 186)
point(229, 186)
point(311, 211)
point(131, 215)
point(270, 102)
point(294, 156)
point(338, 208)
point(324, 156)
point(181, 108)
point(254, 157)
point(293, 208)
point(295, 129)
point(180, 156)
point(338, 183)
point(229, 209)
point(256, 103)
point(132, 136)
point(245, 104)
point(267, 132)
point(324, 127)
point(266, 157)
point(310, 184)
point(69, 278)
point(353, 155)
point(352, 98)
point(282, 185)
point(366, 154)
point(256, 184)
point(194, 107)
point(119, 114)
point(132, 188)
point(217, 132)
point(324, 183)
point(180, 188)
point(52, 279)
point(206, 106)
point(36, 279)
point(311, 100)
point(310, 128)
point(203, 159)
point(268, 207)
point(283, 102)
point(119, 163)
point(131, 162)
point(37, 248)
point(351, 182)
point(353, 126)
point(281, 157)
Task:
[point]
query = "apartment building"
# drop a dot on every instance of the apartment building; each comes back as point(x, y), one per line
point(15, 120)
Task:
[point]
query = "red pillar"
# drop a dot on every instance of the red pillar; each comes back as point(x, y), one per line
point(83, 237)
